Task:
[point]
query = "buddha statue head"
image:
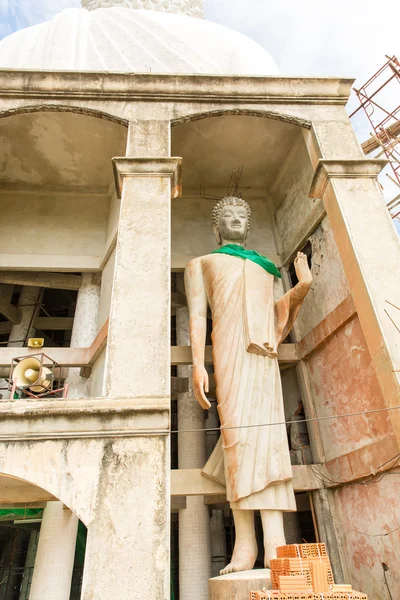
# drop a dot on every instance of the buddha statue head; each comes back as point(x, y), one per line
point(231, 218)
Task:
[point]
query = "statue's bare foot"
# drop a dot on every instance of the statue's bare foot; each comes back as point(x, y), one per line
point(269, 552)
point(243, 559)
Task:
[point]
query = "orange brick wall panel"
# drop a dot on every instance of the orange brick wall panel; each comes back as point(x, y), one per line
point(343, 381)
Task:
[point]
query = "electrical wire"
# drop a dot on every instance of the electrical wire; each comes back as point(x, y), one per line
point(311, 420)
point(376, 535)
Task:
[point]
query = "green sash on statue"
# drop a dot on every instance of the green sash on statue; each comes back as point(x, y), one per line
point(240, 252)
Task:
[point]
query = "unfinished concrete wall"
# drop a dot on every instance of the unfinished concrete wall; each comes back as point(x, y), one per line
point(330, 286)
point(53, 224)
point(294, 211)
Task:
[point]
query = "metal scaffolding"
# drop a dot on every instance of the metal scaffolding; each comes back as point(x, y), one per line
point(379, 97)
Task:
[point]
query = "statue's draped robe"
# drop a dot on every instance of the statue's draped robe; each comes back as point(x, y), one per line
point(253, 462)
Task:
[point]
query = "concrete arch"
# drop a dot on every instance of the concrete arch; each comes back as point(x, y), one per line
point(68, 470)
point(62, 108)
point(265, 114)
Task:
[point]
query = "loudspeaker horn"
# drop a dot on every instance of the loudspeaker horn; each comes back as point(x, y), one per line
point(27, 374)
point(35, 342)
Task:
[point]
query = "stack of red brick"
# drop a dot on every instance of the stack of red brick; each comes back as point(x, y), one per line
point(304, 572)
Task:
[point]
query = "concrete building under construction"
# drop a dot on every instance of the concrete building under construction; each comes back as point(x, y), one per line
point(117, 124)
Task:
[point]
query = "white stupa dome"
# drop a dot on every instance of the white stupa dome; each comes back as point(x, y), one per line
point(139, 36)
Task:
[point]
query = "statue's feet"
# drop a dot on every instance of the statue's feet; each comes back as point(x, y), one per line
point(243, 558)
point(269, 552)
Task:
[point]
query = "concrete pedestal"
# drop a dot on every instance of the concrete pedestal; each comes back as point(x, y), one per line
point(237, 586)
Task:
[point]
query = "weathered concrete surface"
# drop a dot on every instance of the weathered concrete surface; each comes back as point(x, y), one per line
point(370, 536)
point(60, 445)
point(127, 552)
point(330, 286)
point(84, 331)
point(345, 185)
point(138, 359)
point(349, 385)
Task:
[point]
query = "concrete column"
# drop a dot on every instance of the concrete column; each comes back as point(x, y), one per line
point(29, 564)
point(218, 542)
point(28, 301)
point(127, 552)
point(84, 331)
point(55, 554)
point(194, 521)
point(368, 246)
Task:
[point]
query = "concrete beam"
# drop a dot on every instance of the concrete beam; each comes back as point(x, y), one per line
point(53, 323)
point(49, 262)
point(58, 281)
point(190, 482)
point(182, 355)
point(338, 317)
point(184, 89)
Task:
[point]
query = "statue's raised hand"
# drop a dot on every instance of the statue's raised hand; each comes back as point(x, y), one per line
point(302, 269)
point(200, 386)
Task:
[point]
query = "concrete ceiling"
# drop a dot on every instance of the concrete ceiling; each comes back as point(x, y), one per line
point(56, 149)
point(211, 148)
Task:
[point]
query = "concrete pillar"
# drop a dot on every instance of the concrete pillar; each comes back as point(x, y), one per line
point(127, 552)
point(84, 331)
point(368, 246)
point(55, 554)
point(29, 564)
point(218, 542)
point(28, 302)
point(194, 521)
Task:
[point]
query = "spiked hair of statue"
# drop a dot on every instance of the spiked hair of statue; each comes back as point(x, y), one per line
point(230, 201)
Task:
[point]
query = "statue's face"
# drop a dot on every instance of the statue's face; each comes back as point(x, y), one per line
point(233, 223)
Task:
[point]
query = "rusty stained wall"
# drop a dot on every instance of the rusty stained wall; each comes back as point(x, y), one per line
point(343, 381)
point(369, 516)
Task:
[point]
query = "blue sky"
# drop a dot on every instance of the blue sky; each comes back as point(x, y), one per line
point(346, 38)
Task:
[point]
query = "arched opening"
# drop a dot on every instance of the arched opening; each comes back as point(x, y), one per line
point(270, 151)
point(39, 536)
point(56, 188)
point(59, 213)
